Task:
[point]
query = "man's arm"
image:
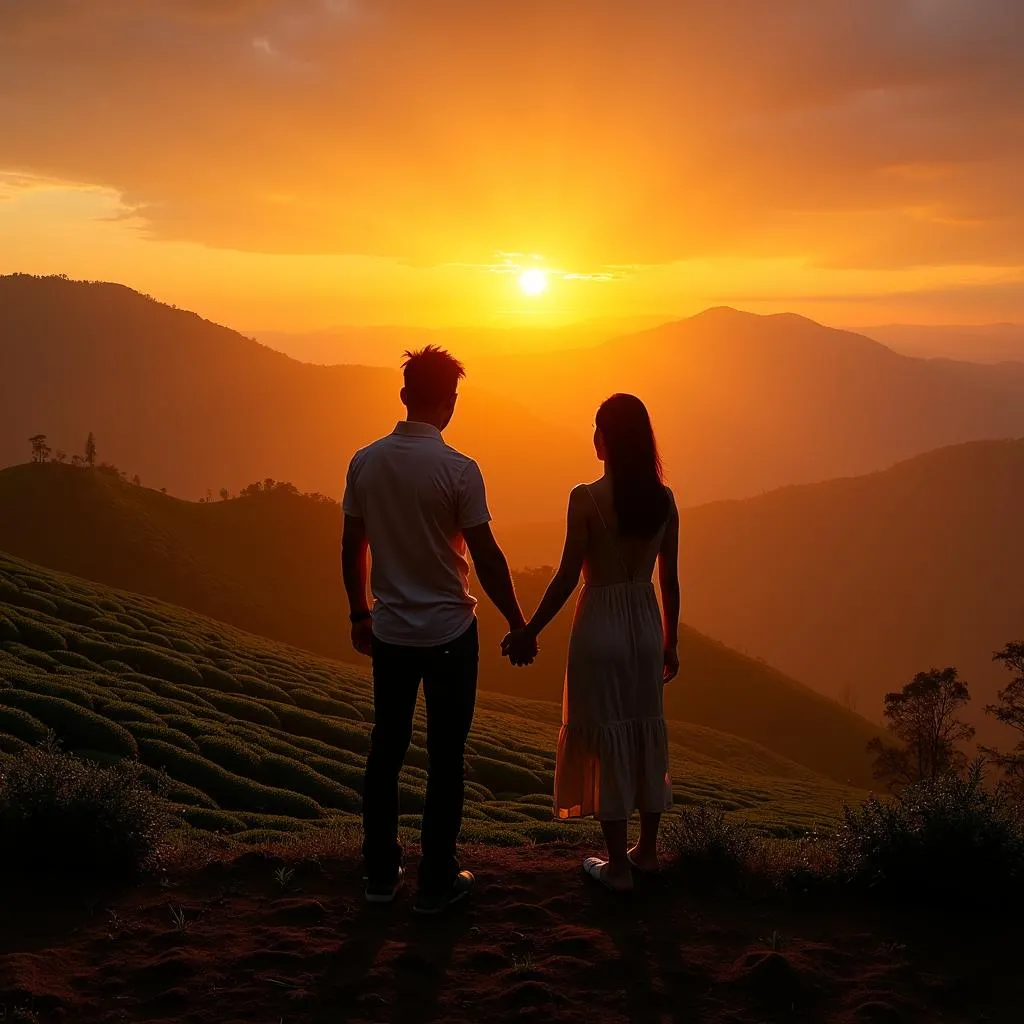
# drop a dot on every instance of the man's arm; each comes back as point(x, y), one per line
point(354, 549)
point(493, 572)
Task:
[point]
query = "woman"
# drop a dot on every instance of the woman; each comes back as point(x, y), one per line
point(613, 750)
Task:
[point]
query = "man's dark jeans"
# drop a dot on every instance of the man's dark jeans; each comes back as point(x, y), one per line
point(449, 675)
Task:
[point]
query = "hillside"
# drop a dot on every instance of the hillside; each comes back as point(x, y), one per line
point(860, 583)
point(744, 403)
point(854, 585)
point(258, 738)
point(192, 406)
point(269, 564)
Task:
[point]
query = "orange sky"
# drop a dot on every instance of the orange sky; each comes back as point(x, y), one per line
point(296, 164)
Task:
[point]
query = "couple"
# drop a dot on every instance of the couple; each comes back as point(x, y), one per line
point(419, 508)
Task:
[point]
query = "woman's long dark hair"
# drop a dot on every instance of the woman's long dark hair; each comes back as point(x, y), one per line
point(642, 503)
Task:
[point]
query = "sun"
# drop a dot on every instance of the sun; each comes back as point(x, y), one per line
point(533, 281)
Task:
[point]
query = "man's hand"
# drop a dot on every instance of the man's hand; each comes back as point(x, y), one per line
point(362, 636)
point(520, 647)
point(671, 663)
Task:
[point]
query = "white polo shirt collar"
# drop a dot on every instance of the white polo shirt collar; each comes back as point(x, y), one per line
point(413, 428)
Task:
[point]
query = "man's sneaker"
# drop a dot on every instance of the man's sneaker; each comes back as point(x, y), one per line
point(384, 892)
point(435, 903)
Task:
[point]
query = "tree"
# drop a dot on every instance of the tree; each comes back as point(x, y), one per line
point(137, 480)
point(1010, 711)
point(40, 449)
point(77, 460)
point(60, 456)
point(923, 716)
point(90, 450)
point(224, 494)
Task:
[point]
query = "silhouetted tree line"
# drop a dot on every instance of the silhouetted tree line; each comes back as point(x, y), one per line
point(41, 452)
point(924, 718)
point(271, 486)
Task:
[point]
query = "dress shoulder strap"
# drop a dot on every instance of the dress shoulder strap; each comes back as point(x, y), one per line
point(611, 536)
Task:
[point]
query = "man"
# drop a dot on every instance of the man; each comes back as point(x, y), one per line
point(417, 505)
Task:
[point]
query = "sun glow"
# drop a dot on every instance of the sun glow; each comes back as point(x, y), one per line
point(533, 281)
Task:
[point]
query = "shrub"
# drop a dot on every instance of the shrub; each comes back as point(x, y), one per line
point(152, 731)
point(501, 777)
point(22, 725)
point(27, 599)
point(76, 727)
point(230, 753)
point(331, 731)
point(194, 727)
point(51, 688)
point(240, 707)
point(160, 665)
point(75, 611)
point(300, 778)
point(218, 679)
point(256, 687)
point(72, 659)
point(311, 701)
point(173, 790)
point(30, 656)
point(34, 634)
point(946, 839)
point(230, 791)
point(125, 711)
point(59, 813)
point(210, 820)
point(701, 840)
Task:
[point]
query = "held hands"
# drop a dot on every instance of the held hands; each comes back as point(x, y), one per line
point(520, 647)
point(671, 664)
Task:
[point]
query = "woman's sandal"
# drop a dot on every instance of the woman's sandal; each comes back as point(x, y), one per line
point(597, 869)
point(643, 871)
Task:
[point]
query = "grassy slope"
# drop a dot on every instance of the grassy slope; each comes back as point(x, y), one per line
point(269, 564)
point(258, 737)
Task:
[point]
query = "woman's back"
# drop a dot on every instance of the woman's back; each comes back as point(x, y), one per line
point(611, 558)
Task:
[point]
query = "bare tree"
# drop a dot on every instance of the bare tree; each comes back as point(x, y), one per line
point(923, 717)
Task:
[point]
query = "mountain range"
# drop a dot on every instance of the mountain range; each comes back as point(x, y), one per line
point(741, 403)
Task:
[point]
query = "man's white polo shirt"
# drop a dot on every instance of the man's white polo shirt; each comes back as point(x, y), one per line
point(416, 495)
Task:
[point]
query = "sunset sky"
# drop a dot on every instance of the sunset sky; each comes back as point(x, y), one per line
point(293, 165)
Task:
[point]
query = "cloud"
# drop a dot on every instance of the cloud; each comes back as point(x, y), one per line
point(883, 133)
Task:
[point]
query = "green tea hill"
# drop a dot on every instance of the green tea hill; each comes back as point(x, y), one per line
point(268, 563)
point(252, 739)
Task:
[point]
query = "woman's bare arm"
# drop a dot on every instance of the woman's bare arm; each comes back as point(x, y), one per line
point(563, 583)
point(668, 577)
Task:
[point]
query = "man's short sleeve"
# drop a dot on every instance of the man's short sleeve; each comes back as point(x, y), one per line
point(350, 503)
point(473, 509)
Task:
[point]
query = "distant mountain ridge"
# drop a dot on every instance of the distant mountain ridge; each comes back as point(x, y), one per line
point(193, 406)
point(269, 564)
point(742, 403)
point(980, 343)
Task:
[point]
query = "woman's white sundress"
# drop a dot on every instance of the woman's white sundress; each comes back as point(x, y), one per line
point(613, 748)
